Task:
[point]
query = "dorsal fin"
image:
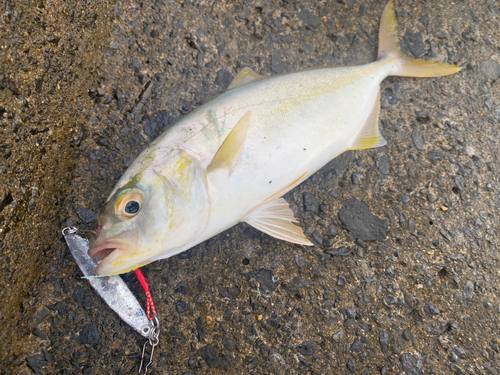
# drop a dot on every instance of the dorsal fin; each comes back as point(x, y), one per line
point(245, 77)
point(276, 219)
point(369, 136)
point(232, 145)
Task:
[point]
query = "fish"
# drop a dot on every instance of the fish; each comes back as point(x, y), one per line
point(112, 289)
point(232, 159)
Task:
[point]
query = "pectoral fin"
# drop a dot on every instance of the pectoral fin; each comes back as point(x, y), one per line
point(245, 77)
point(232, 145)
point(276, 219)
point(369, 136)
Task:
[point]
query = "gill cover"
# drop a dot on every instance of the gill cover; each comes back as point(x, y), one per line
point(164, 206)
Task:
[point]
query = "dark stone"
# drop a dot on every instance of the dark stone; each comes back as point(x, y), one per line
point(249, 232)
point(228, 292)
point(356, 178)
point(209, 354)
point(459, 352)
point(253, 363)
point(299, 260)
point(86, 215)
point(431, 309)
point(223, 78)
point(412, 364)
point(468, 292)
point(5, 199)
point(296, 284)
point(490, 69)
point(351, 365)
point(158, 123)
point(229, 344)
point(309, 18)
point(268, 283)
point(384, 340)
point(185, 254)
point(310, 202)
point(418, 139)
point(78, 294)
point(317, 237)
point(389, 95)
point(193, 361)
point(39, 333)
point(362, 224)
point(182, 306)
point(459, 181)
point(276, 63)
point(89, 335)
point(435, 155)
point(136, 65)
point(228, 314)
point(349, 3)
point(339, 251)
point(341, 162)
point(7, 83)
point(37, 362)
point(457, 369)
point(406, 335)
point(341, 280)
point(41, 315)
point(288, 38)
point(391, 300)
point(181, 288)
point(356, 346)
point(307, 348)
point(200, 328)
point(383, 164)
point(332, 230)
point(413, 43)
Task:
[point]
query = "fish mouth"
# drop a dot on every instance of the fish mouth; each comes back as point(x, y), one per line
point(104, 249)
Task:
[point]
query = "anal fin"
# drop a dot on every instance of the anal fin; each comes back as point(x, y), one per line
point(369, 136)
point(276, 219)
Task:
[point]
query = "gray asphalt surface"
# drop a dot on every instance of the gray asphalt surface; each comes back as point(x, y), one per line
point(405, 272)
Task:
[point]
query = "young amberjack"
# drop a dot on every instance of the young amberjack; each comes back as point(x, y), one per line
point(233, 158)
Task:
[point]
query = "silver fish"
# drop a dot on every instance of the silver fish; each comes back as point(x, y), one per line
point(112, 289)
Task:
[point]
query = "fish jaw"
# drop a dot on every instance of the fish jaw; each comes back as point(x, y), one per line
point(116, 256)
point(120, 261)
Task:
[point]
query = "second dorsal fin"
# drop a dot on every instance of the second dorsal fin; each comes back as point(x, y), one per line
point(245, 77)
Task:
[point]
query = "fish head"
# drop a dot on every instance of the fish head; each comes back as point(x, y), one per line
point(157, 208)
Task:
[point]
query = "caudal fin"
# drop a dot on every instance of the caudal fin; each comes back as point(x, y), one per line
point(406, 66)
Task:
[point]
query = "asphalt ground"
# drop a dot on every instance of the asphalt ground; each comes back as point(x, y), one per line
point(85, 86)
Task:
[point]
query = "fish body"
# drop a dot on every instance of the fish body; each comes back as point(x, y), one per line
point(233, 158)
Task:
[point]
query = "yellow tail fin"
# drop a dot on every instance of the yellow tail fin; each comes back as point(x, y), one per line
point(406, 66)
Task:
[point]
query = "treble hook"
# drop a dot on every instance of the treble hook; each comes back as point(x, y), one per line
point(153, 340)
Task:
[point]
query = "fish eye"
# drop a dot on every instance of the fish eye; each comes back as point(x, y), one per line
point(129, 202)
point(132, 207)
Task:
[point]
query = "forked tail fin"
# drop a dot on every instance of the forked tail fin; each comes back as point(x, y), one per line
point(406, 66)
